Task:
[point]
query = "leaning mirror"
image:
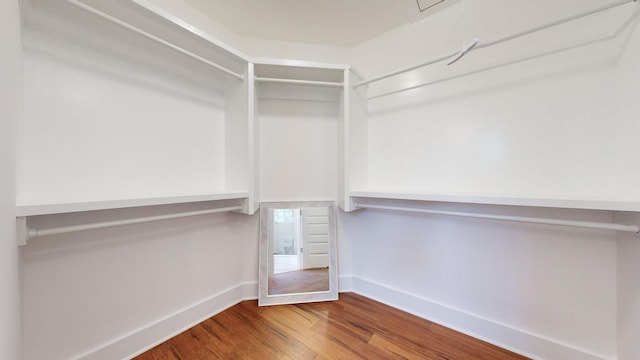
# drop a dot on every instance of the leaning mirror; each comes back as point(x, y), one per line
point(298, 260)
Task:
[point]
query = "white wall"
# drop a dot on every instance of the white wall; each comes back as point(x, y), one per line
point(10, 107)
point(345, 251)
point(298, 145)
point(556, 121)
point(627, 78)
point(549, 126)
point(109, 293)
point(523, 287)
point(111, 121)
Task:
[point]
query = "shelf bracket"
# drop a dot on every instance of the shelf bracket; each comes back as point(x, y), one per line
point(22, 231)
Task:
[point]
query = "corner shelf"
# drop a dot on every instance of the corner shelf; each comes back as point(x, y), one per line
point(299, 70)
point(299, 80)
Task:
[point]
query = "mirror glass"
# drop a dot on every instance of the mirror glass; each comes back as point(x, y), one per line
point(297, 253)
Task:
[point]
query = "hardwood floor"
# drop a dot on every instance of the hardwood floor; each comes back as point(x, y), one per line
point(353, 327)
point(299, 281)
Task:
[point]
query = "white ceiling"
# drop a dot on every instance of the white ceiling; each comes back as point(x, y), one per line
point(329, 22)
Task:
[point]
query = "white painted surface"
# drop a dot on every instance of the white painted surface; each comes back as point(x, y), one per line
point(547, 127)
point(628, 291)
point(499, 199)
point(499, 334)
point(111, 121)
point(554, 284)
point(315, 237)
point(46, 209)
point(85, 291)
point(238, 139)
point(554, 127)
point(275, 19)
point(255, 46)
point(164, 328)
point(345, 255)
point(10, 113)
point(182, 11)
point(87, 137)
point(295, 50)
point(628, 244)
point(353, 137)
point(627, 79)
point(285, 263)
point(298, 150)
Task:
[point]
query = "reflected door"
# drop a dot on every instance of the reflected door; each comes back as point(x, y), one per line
point(315, 238)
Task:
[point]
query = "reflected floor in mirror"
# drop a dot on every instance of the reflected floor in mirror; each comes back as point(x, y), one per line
point(354, 327)
point(299, 281)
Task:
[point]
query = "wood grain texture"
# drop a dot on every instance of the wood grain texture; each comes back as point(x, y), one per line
point(353, 327)
point(299, 281)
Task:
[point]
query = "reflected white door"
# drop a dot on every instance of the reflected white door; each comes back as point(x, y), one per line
point(315, 237)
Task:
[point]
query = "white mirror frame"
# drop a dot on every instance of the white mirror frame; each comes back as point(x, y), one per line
point(264, 299)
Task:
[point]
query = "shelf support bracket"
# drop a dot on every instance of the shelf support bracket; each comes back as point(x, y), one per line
point(22, 231)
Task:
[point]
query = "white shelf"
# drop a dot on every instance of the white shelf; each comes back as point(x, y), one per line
point(217, 44)
point(496, 199)
point(59, 208)
point(135, 18)
point(300, 70)
point(154, 20)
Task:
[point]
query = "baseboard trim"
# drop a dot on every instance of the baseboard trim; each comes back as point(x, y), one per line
point(520, 341)
point(148, 336)
point(345, 283)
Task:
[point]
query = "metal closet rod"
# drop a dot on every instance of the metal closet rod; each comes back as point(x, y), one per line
point(534, 220)
point(33, 233)
point(455, 56)
point(300, 82)
point(154, 38)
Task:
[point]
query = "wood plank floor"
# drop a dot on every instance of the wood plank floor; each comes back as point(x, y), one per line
point(299, 281)
point(353, 327)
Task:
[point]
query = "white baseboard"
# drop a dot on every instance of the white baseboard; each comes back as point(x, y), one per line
point(519, 341)
point(345, 283)
point(148, 336)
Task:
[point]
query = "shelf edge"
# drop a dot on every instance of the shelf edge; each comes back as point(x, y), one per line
point(60, 208)
point(587, 204)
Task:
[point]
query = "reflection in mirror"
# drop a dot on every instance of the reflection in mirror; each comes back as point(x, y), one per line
point(297, 253)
